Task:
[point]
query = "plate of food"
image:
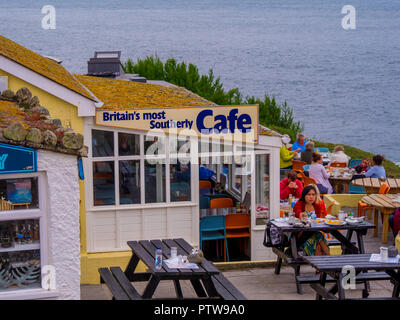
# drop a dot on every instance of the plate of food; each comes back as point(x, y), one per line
point(321, 220)
point(335, 222)
point(353, 220)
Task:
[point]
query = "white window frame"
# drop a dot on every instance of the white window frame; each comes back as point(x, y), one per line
point(31, 214)
point(253, 184)
point(142, 157)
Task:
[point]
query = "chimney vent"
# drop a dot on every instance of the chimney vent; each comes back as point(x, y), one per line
point(105, 64)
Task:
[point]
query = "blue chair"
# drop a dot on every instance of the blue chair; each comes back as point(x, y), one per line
point(204, 191)
point(354, 162)
point(204, 202)
point(204, 206)
point(216, 196)
point(356, 189)
point(321, 150)
point(213, 228)
point(306, 167)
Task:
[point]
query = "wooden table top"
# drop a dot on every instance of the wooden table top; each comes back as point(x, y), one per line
point(358, 261)
point(322, 227)
point(145, 251)
point(341, 178)
point(376, 183)
point(383, 201)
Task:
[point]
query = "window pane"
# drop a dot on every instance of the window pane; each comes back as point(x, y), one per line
point(128, 144)
point(102, 143)
point(19, 254)
point(17, 194)
point(224, 178)
point(103, 183)
point(180, 181)
point(129, 181)
point(155, 182)
point(262, 188)
point(179, 145)
point(154, 145)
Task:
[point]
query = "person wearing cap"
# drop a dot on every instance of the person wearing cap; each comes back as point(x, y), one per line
point(286, 155)
point(300, 143)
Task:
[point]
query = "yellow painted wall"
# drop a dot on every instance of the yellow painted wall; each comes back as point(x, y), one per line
point(91, 262)
point(68, 114)
point(342, 200)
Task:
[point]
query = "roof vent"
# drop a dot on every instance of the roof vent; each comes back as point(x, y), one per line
point(108, 64)
point(105, 64)
point(54, 59)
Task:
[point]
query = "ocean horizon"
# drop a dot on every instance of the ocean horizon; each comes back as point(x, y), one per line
point(342, 84)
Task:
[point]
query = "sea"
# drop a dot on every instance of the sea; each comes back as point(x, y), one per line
point(343, 84)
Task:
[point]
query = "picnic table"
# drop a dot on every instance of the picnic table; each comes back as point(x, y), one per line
point(340, 181)
point(207, 281)
point(295, 260)
point(372, 185)
point(332, 266)
point(386, 205)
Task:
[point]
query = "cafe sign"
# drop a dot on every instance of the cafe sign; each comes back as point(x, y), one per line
point(237, 123)
point(16, 159)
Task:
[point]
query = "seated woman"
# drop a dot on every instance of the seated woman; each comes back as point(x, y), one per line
point(306, 155)
point(291, 185)
point(286, 155)
point(312, 243)
point(319, 201)
point(377, 170)
point(318, 173)
point(364, 165)
point(340, 156)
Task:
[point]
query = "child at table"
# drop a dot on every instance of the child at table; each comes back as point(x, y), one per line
point(312, 243)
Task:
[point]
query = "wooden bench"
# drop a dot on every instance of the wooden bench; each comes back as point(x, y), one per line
point(226, 289)
point(118, 284)
point(361, 277)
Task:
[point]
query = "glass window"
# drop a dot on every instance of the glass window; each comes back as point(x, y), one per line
point(102, 143)
point(103, 183)
point(16, 194)
point(204, 145)
point(20, 254)
point(262, 188)
point(129, 182)
point(180, 181)
point(154, 145)
point(154, 174)
point(224, 178)
point(128, 144)
point(179, 145)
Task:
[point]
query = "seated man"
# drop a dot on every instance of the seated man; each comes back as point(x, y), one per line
point(291, 185)
point(300, 143)
point(394, 222)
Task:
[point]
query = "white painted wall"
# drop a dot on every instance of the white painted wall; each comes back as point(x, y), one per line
point(62, 220)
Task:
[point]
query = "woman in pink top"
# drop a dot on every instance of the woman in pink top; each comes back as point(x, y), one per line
point(318, 173)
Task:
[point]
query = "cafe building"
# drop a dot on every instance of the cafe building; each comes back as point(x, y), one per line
point(150, 144)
